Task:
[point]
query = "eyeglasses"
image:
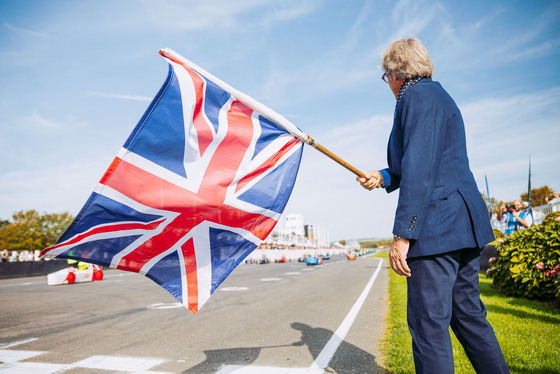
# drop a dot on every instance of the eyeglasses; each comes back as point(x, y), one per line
point(385, 78)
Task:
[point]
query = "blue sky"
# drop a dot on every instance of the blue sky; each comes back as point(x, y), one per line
point(78, 75)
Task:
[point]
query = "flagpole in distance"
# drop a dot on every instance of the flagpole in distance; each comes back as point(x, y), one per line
point(261, 108)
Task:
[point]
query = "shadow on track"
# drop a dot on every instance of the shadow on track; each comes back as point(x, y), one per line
point(348, 358)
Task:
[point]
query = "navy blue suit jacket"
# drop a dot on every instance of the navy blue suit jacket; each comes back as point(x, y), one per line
point(440, 208)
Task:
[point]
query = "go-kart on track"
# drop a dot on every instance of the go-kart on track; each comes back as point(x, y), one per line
point(269, 318)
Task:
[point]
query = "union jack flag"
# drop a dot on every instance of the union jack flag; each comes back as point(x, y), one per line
point(199, 184)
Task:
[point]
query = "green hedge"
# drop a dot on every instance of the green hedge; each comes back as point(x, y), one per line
point(527, 262)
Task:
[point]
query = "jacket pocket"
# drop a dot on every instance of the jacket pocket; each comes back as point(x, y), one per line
point(440, 193)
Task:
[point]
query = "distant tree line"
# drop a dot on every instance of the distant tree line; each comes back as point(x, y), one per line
point(374, 243)
point(32, 231)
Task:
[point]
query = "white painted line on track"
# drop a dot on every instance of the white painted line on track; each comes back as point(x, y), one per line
point(119, 363)
point(13, 344)
point(12, 285)
point(105, 275)
point(122, 364)
point(322, 361)
point(233, 289)
point(165, 306)
point(10, 356)
point(293, 273)
point(32, 368)
point(270, 279)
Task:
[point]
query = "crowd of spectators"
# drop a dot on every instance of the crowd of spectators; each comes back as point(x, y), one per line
point(21, 256)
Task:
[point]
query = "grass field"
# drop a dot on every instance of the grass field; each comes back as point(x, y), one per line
point(528, 332)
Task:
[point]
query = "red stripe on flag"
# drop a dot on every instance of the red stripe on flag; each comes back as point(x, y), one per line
point(267, 164)
point(203, 131)
point(192, 276)
point(228, 156)
point(110, 170)
point(106, 229)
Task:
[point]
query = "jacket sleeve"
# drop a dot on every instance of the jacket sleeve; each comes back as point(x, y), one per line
point(386, 178)
point(423, 129)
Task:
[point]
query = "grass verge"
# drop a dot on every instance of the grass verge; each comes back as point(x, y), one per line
point(528, 332)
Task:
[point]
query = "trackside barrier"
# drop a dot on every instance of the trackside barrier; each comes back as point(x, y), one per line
point(30, 268)
point(540, 212)
point(10, 270)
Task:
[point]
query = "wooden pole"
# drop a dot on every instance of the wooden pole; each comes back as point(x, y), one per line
point(334, 157)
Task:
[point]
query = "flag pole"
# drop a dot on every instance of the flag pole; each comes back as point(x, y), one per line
point(334, 157)
point(529, 193)
point(261, 108)
point(488, 195)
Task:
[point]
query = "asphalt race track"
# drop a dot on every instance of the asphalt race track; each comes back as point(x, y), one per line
point(270, 318)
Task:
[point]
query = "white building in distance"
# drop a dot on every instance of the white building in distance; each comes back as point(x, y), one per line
point(290, 232)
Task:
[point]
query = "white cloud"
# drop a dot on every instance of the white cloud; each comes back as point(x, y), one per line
point(487, 19)
point(289, 11)
point(530, 40)
point(538, 50)
point(223, 14)
point(510, 119)
point(38, 121)
point(24, 33)
point(120, 96)
point(503, 131)
point(411, 17)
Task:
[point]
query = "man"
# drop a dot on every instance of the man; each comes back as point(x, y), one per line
point(517, 218)
point(441, 222)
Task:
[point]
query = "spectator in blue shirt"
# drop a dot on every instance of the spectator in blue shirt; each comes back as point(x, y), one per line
point(517, 218)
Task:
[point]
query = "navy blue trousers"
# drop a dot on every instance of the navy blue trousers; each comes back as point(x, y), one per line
point(443, 292)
